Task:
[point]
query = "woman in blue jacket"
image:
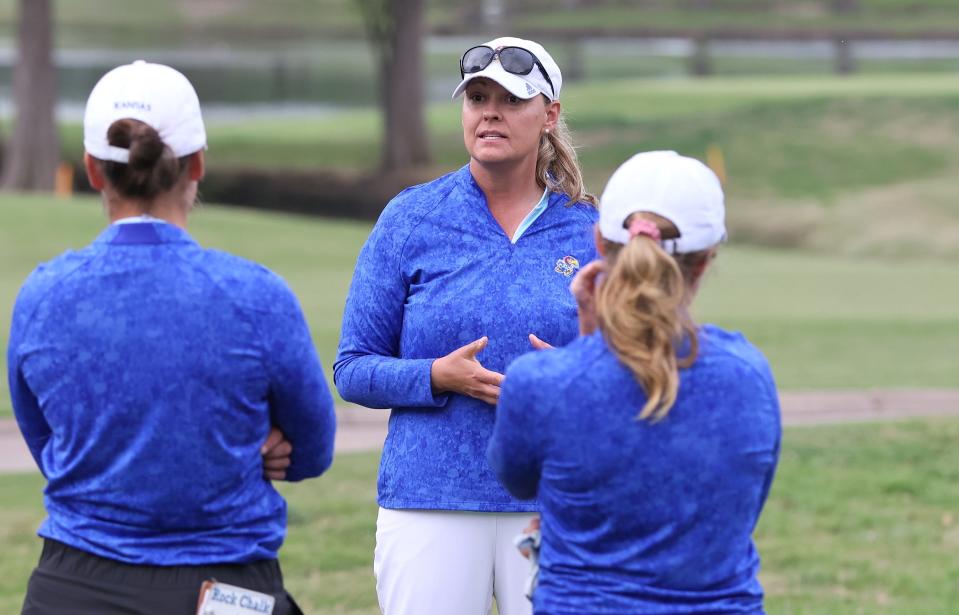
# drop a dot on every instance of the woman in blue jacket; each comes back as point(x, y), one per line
point(650, 442)
point(146, 372)
point(453, 280)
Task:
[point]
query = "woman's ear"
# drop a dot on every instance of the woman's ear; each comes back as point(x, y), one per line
point(197, 166)
point(553, 109)
point(94, 172)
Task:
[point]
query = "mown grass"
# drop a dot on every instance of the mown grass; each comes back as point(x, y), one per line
point(824, 321)
point(861, 519)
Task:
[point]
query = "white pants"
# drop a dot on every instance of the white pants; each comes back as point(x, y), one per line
point(450, 563)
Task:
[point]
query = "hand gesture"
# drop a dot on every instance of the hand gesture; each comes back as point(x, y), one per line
point(461, 372)
point(276, 453)
point(584, 288)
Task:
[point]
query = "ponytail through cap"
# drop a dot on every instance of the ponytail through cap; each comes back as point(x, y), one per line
point(642, 305)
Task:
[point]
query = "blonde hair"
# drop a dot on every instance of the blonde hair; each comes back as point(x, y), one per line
point(557, 166)
point(641, 312)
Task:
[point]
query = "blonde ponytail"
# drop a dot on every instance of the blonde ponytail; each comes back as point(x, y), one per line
point(558, 166)
point(641, 312)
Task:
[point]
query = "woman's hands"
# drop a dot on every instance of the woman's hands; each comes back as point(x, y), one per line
point(461, 372)
point(584, 288)
point(276, 453)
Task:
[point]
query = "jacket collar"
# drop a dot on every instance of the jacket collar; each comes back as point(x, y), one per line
point(149, 233)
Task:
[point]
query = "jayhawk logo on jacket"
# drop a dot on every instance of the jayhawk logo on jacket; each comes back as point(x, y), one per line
point(567, 266)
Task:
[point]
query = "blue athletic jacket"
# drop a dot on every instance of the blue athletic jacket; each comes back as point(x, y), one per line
point(436, 273)
point(145, 372)
point(641, 517)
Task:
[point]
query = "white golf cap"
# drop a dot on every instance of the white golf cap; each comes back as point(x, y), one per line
point(522, 86)
point(682, 190)
point(154, 94)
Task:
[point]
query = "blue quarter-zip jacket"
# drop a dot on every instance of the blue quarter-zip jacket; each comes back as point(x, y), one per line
point(641, 517)
point(145, 372)
point(436, 273)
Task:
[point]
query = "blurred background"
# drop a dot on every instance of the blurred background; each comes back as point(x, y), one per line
point(834, 124)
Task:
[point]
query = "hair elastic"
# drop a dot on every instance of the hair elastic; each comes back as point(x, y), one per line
point(641, 226)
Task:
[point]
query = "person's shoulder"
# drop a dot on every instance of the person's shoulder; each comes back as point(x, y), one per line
point(416, 201)
point(48, 274)
point(583, 210)
point(247, 282)
point(732, 348)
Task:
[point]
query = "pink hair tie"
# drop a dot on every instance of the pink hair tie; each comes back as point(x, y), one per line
point(641, 226)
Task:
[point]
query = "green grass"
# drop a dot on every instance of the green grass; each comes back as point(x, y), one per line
point(866, 165)
point(861, 519)
point(824, 321)
point(828, 322)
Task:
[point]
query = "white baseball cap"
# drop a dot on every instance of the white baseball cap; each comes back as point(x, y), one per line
point(522, 86)
point(683, 190)
point(154, 94)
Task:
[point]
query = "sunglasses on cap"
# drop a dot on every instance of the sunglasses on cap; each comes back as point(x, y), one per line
point(515, 60)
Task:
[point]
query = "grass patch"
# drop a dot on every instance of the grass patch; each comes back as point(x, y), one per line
point(861, 519)
point(828, 322)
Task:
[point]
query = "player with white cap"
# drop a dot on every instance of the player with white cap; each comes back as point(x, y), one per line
point(145, 374)
point(459, 277)
point(651, 442)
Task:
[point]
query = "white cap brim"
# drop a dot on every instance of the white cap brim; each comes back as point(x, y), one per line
point(514, 84)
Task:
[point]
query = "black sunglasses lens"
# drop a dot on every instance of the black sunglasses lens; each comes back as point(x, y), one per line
point(516, 60)
point(476, 59)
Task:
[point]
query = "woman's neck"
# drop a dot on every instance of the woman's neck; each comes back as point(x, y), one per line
point(508, 184)
point(511, 191)
point(164, 208)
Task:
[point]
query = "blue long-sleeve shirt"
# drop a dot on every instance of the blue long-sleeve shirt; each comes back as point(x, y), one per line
point(641, 517)
point(145, 372)
point(436, 273)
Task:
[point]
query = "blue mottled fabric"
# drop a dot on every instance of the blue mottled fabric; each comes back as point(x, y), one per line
point(436, 273)
point(145, 372)
point(641, 517)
